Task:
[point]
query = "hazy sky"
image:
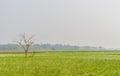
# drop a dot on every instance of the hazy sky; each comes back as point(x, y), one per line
point(79, 22)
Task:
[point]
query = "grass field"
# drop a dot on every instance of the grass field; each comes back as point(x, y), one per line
point(64, 63)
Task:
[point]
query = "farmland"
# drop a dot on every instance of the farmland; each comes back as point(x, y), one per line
point(61, 63)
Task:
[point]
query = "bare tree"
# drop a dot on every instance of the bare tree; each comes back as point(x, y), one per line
point(25, 42)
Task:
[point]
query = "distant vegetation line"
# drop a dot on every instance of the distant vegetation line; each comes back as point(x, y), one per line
point(49, 47)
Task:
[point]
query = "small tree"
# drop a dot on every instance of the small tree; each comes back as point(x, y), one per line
point(25, 42)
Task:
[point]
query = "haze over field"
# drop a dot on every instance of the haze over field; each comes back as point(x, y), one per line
point(80, 22)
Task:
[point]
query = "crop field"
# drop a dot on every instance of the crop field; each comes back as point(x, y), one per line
point(61, 63)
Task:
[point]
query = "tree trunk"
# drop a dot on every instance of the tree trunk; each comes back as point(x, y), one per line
point(26, 51)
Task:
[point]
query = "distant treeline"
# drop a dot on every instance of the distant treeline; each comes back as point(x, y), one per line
point(49, 47)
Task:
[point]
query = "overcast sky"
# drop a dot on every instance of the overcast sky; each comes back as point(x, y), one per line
point(79, 22)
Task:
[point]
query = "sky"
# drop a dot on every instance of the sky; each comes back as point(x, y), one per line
point(75, 22)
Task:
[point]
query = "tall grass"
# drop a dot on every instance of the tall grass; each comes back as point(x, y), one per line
point(61, 64)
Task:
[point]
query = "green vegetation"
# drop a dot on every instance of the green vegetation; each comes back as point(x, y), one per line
point(65, 63)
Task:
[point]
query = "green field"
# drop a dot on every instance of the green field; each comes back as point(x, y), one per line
point(61, 63)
